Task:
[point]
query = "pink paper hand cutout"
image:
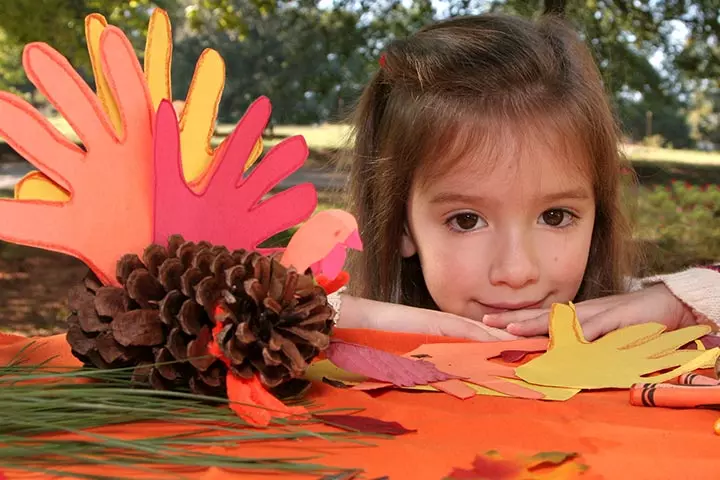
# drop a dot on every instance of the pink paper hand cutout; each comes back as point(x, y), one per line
point(109, 210)
point(230, 209)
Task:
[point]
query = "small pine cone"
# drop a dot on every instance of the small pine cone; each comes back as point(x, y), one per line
point(273, 321)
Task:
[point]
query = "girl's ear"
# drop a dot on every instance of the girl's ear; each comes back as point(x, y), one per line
point(407, 244)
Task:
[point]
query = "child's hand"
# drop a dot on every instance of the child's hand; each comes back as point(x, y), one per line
point(603, 315)
point(361, 313)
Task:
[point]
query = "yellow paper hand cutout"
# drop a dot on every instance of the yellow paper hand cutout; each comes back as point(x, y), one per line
point(617, 360)
point(197, 119)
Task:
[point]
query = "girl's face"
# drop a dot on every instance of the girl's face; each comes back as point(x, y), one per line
point(510, 237)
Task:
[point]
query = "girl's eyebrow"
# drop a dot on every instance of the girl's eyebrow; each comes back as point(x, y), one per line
point(573, 194)
point(454, 197)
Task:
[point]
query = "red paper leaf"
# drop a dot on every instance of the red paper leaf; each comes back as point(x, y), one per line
point(383, 366)
point(513, 356)
point(331, 286)
point(710, 341)
point(364, 424)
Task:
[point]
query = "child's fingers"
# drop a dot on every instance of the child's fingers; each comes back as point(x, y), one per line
point(601, 324)
point(529, 328)
point(458, 327)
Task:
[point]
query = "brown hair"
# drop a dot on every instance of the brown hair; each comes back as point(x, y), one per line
point(413, 117)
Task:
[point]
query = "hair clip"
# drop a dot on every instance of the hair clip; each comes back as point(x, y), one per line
point(382, 60)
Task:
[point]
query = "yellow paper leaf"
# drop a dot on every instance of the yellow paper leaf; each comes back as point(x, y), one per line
point(325, 368)
point(617, 360)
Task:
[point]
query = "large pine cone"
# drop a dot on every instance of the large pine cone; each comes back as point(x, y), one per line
point(272, 320)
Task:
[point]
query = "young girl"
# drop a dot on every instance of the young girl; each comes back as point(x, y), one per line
point(486, 182)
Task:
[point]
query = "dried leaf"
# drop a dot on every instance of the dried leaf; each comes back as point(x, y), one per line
point(384, 366)
point(486, 468)
point(545, 459)
point(543, 465)
point(363, 424)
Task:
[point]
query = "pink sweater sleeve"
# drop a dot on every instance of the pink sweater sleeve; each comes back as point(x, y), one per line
point(698, 288)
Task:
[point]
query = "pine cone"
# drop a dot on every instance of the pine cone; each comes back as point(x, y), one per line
point(272, 320)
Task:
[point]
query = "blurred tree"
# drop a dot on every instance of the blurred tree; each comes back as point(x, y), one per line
point(12, 75)
point(312, 57)
point(704, 114)
point(312, 61)
point(61, 22)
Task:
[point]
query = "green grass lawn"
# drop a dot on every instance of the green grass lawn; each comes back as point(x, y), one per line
point(332, 137)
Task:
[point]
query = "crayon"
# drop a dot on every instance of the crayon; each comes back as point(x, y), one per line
point(695, 379)
point(675, 396)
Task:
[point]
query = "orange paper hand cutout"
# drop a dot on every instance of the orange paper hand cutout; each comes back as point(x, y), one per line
point(109, 211)
point(471, 361)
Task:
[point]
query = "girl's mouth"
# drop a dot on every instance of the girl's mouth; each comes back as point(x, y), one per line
point(507, 307)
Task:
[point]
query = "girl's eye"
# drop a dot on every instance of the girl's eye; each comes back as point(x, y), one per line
point(464, 222)
point(557, 217)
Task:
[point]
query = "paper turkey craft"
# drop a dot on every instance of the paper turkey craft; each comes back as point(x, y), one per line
point(169, 227)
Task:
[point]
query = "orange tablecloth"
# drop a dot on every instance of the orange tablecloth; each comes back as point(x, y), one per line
point(615, 439)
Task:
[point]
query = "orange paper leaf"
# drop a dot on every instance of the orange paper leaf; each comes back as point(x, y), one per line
point(471, 362)
point(254, 404)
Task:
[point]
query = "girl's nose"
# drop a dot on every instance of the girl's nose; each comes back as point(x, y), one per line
point(515, 263)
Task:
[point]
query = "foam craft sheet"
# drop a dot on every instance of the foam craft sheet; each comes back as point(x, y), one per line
point(110, 183)
point(197, 119)
point(231, 210)
point(321, 243)
point(617, 360)
point(613, 438)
